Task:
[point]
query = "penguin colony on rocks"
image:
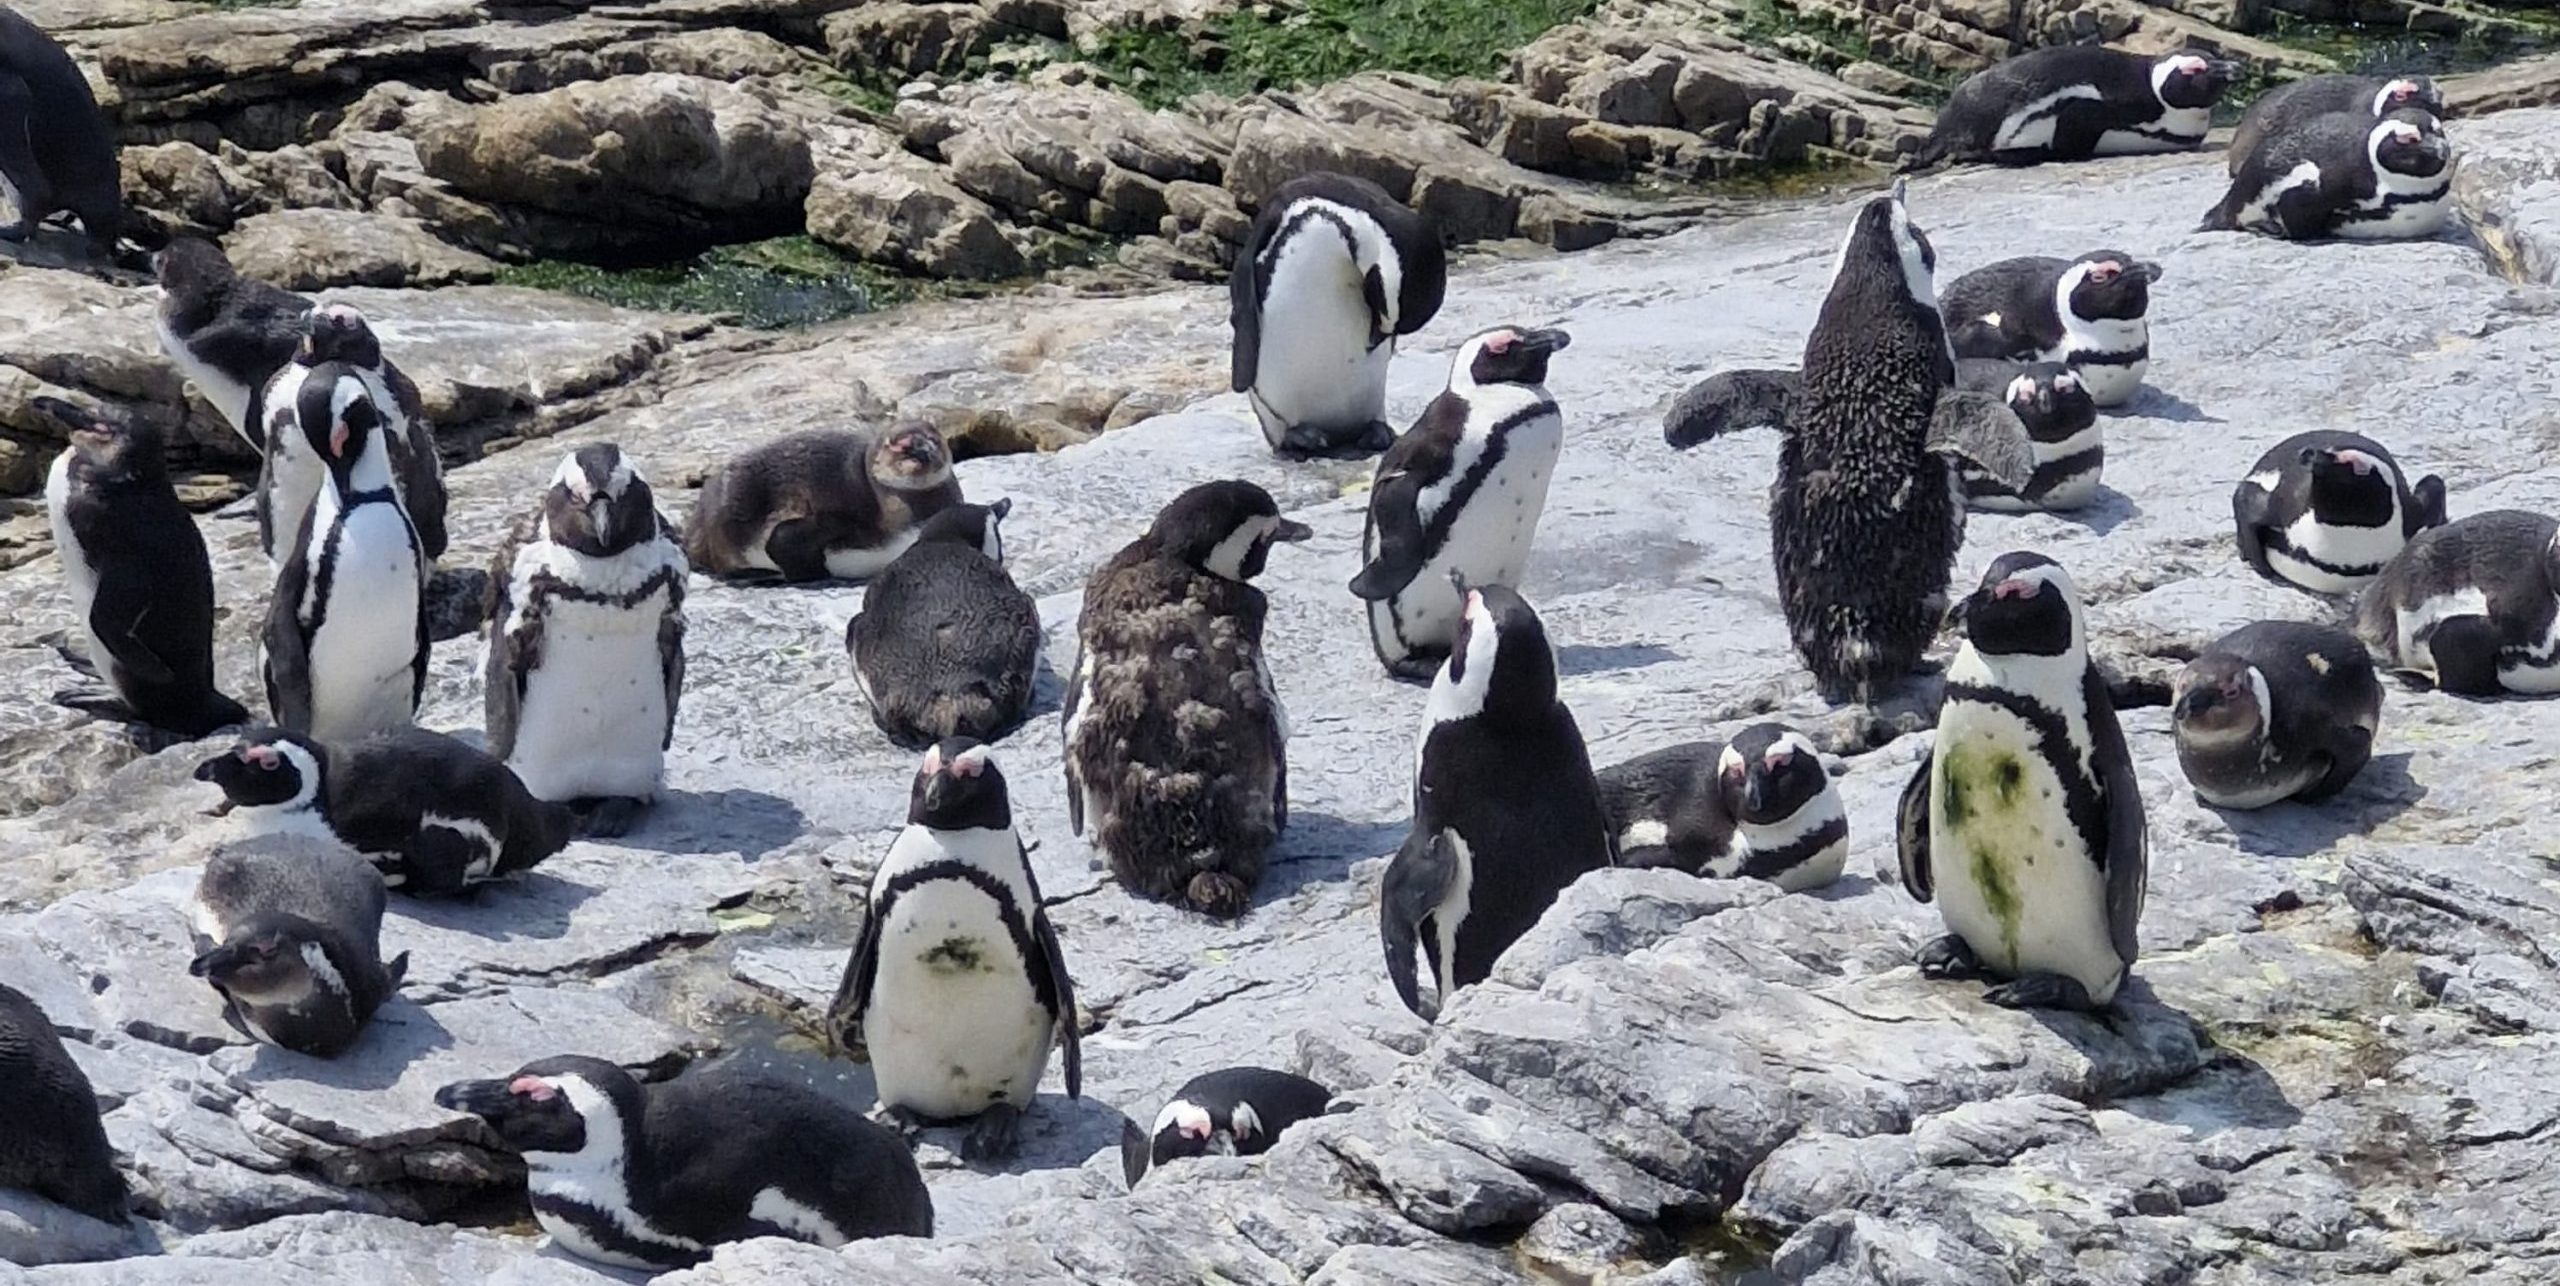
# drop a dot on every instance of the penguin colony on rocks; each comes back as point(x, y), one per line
point(2021, 823)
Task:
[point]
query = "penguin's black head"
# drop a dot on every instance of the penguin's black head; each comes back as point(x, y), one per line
point(2218, 697)
point(958, 789)
point(973, 525)
point(191, 268)
point(598, 505)
point(2410, 142)
point(270, 766)
point(2410, 91)
point(113, 447)
point(338, 333)
point(2051, 401)
point(1224, 528)
point(2026, 606)
point(2109, 284)
point(911, 456)
point(550, 1104)
point(1500, 666)
point(339, 417)
point(1185, 1129)
point(2353, 482)
point(1768, 772)
point(1509, 355)
point(269, 960)
point(2189, 79)
point(1887, 275)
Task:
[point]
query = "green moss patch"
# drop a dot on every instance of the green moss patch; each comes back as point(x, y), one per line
point(768, 285)
point(1326, 40)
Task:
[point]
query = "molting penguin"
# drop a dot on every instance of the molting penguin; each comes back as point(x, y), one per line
point(346, 636)
point(289, 930)
point(586, 642)
point(2073, 102)
point(2473, 605)
point(2287, 107)
point(2276, 710)
point(56, 152)
point(654, 1176)
point(2091, 314)
point(1234, 1111)
point(1333, 271)
point(2060, 418)
point(957, 987)
point(821, 503)
point(1505, 811)
point(1460, 493)
point(434, 814)
point(54, 1146)
point(1176, 741)
point(337, 352)
point(946, 644)
point(2023, 822)
point(227, 333)
point(135, 568)
point(2327, 511)
point(1979, 435)
point(1761, 806)
point(2343, 175)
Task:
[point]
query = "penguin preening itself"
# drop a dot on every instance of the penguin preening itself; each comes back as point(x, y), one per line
point(2345, 174)
point(820, 503)
point(2091, 314)
point(586, 642)
point(337, 356)
point(55, 1146)
point(435, 815)
point(654, 1176)
point(957, 987)
point(1506, 812)
point(56, 152)
point(2060, 418)
point(2073, 102)
point(289, 929)
point(1460, 493)
point(2327, 511)
point(1760, 806)
point(2289, 105)
point(946, 645)
point(1234, 1111)
point(1332, 272)
point(2473, 605)
point(139, 580)
point(2276, 710)
point(1176, 742)
point(227, 333)
point(2023, 822)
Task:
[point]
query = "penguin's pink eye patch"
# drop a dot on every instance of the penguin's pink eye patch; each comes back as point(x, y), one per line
point(2192, 66)
point(970, 762)
point(2105, 270)
point(2404, 133)
point(261, 757)
point(2358, 461)
point(1778, 757)
point(533, 1088)
point(932, 762)
point(1499, 342)
point(2017, 589)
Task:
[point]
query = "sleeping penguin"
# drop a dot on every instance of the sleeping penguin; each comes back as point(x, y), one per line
point(289, 929)
point(2343, 175)
point(2473, 605)
point(1759, 807)
point(946, 645)
point(2060, 418)
point(2073, 102)
point(1234, 1111)
point(2328, 511)
point(2276, 710)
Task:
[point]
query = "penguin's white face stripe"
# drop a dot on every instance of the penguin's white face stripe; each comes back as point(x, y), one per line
point(1188, 1117)
point(593, 1177)
point(1227, 558)
point(776, 1207)
point(1464, 698)
point(1245, 1124)
point(1729, 761)
point(1751, 837)
point(1916, 276)
point(969, 762)
point(307, 795)
point(1791, 743)
point(324, 975)
point(2266, 704)
point(2267, 480)
point(2392, 182)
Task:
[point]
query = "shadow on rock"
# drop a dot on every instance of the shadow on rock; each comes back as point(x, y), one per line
point(749, 823)
point(1584, 658)
point(2134, 1046)
point(535, 905)
point(2234, 1092)
point(2384, 790)
point(401, 1033)
point(1058, 1133)
point(2158, 403)
point(1320, 846)
point(2110, 509)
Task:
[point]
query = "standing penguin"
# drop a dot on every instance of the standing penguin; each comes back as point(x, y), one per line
point(2343, 175)
point(2276, 710)
point(56, 152)
point(2473, 605)
point(957, 987)
point(140, 583)
point(1460, 493)
point(1176, 742)
point(1332, 272)
point(2327, 511)
point(338, 351)
point(289, 930)
point(346, 638)
point(54, 1146)
point(1760, 806)
point(2091, 314)
point(2073, 102)
point(2023, 822)
point(821, 503)
point(227, 333)
point(2060, 418)
point(1506, 813)
point(1234, 1111)
point(946, 644)
point(2288, 106)
point(586, 642)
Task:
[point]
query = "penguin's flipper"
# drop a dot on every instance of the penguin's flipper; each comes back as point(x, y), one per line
point(1382, 320)
point(2465, 649)
point(288, 650)
point(1415, 882)
point(1911, 831)
point(1980, 430)
point(2078, 124)
point(1066, 735)
point(1728, 402)
point(1395, 528)
point(2249, 525)
point(1056, 991)
point(422, 488)
point(2128, 832)
point(18, 163)
point(120, 609)
point(853, 992)
point(671, 657)
point(1246, 286)
point(2427, 504)
point(1136, 1150)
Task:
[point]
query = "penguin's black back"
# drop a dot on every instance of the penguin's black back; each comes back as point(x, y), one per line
point(1970, 121)
point(948, 645)
point(1521, 794)
point(318, 881)
point(382, 787)
point(2021, 291)
point(716, 1136)
point(55, 1146)
point(1675, 786)
point(2506, 554)
point(155, 585)
point(2287, 106)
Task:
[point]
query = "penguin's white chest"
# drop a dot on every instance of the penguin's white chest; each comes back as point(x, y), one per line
point(2111, 355)
point(2333, 558)
point(1489, 538)
point(953, 1024)
point(1315, 365)
point(2425, 205)
point(79, 579)
point(2175, 129)
point(863, 564)
point(294, 480)
point(2014, 877)
point(594, 716)
point(364, 653)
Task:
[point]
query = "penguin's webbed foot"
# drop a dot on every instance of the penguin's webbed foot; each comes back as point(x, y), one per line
point(1418, 668)
point(2041, 991)
point(1216, 893)
point(609, 818)
point(1308, 442)
point(102, 702)
point(909, 1126)
point(76, 658)
point(1377, 437)
point(1948, 957)
point(995, 1137)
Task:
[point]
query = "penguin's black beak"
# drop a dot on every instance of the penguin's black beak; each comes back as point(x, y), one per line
point(1291, 532)
point(215, 963)
point(2197, 701)
point(1752, 793)
point(1957, 612)
point(479, 1098)
point(205, 770)
point(1543, 343)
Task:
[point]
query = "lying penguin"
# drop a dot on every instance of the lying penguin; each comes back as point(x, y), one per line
point(289, 930)
point(2276, 710)
point(2343, 175)
point(1235, 1111)
point(1760, 806)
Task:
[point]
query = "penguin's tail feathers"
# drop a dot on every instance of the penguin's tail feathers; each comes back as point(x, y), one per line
point(2219, 218)
point(1923, 158)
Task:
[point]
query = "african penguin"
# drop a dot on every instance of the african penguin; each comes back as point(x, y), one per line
point(946, 645)
point(1760, 806)
point(2073, 102)
point(55, 1146)
point(2473, 605)
point(654, 1176)
point(2276, 710)
point(586, 642)
point(337, 356)
point(2060, 418)
point(1176, 742)
point(1332, 272)
point(957, 987)
point(821, 503)
point(136, 571)
point(435, 815)
point(346, 638)
point(56, 152)
point(1460, 492)
point(2091, 314)
point(2023, 821)
point(2327, 510)
point(1977, 433)
point(1506, 813)
point(2286, 107)
point(2343, 175)
point(226, 333)
point(1234, 1111)
point(289, 929)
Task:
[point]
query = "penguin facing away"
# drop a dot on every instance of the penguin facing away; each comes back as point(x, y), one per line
point(1760, 806)
point(1986, 441)
point(2276, 710)
point(2074, 102)
point(56, 152)
point(55, 1146)
point(2327, 511)
point(1460, 492)
point(338, 350)
point(1332, 271)
point(1234, 1111)
point(2091, 314)
point(2343, 175)
point(2473, 605)
point(821, 503)
point(289, 930)
point(2023, 821)
point(226, 333)
point(946, 645)
point(654, 1176)
point(1506, 812)
point(2288, 106)
point(957, 986)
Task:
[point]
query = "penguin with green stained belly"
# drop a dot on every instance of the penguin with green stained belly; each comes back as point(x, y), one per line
point(2023, 822)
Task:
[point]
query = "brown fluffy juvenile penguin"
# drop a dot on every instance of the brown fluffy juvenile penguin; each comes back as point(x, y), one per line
point(821, 503)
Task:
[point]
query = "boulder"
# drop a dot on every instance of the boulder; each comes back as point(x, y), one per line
point(909, 217)
point(310, 250)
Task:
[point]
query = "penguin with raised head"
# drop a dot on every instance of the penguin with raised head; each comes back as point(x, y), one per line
point(227, 333)
point(2343, 175)
point(1460, 492)
point(2473, 605)
point(346, 637)
point(1759, 807)
point(2288, 106)
point(654, 1176)
point(1234, 1111)
point(1331, 273)
point(957, 987)
point(55, 1146)
point(289, 930)
point(56, 152)
point(946, 645)
point(135, 568)
point(2061, 420)
point(338, 348)
point(1176, 742)
point(2073, 102)
point(1978, 434)
point(2328, 510)
point(1506, 812)
point(2023, 822)
point(586, 642)
point(820, 503)
point(2276, 710)
point(2092, 314)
